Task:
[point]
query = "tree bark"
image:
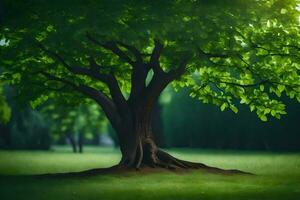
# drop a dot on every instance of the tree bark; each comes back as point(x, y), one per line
point(136, 138)
point(72, 142)
point(137, 143)
point(157, 126)
point(138, 148)
point(80, 142)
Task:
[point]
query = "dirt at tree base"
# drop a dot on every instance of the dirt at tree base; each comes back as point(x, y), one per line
point(124, 171)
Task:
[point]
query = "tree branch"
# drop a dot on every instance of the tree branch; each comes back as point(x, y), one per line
point(161, 80)
point(293, 46)
point(176, 73)
point(154, 59)
point(57, 89)
point(103, 100)
point(271, 52)
point(213, 55)
point(138, 55)
point(113, 47)
point(245, 85)
point(93, 64)
point(75, 70)
point(93, 72)
point(138, 74)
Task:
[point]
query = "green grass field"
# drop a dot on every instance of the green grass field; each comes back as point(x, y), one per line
point(278, 177)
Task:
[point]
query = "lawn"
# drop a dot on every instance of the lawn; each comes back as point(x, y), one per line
point(277, 176)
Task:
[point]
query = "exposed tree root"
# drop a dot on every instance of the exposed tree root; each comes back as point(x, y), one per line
point(174, 163)
point(164, 162)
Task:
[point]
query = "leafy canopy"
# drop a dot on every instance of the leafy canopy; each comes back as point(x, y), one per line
point(238, 51)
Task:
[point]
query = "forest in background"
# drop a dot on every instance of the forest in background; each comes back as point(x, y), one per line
point(179, 121)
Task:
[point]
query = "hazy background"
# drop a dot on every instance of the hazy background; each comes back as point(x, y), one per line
point(179, 121)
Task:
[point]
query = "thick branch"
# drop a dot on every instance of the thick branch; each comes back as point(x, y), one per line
point(154, 59)
point(104, 101)
point(161, 80)
point(139, 71)
point(93, 64)
point(180, 70)
point(117, 95)
point(93, 72)
point(75, 70)
point(138, 55)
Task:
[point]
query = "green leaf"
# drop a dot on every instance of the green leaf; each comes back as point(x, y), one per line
point(283, 11)
point(292, 94)
point(298, 98)
point(278, 116)
point(243, 100)
point(223, 106)
point(278, 93)
point(50, 28)
point(263, 118)
point(267, 111)
point(273, 113)
point(261, 87)
point(252, 107)
point(234, 109)
point(281, 88)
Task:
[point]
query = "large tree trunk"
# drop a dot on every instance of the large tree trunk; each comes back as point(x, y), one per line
point(137, 144)
point(157, 126)
point(139, 149)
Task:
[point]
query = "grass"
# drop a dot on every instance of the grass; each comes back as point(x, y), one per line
point(278, 177)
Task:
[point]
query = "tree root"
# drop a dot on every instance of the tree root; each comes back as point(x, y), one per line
point(163, 162)
point(171, 162)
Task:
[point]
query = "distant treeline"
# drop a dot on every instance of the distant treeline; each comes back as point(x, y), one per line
point(189, 123)
point(26, 129)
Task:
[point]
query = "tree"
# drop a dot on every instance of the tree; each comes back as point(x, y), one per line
point(63, 122)
point(5, 111)
point(123, 54)
point(26, 128)
point(83, 120)
point(5, 115)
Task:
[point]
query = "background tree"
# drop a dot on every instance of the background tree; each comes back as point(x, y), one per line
point(123, 54)
point(75, 123)
point(5, 111)
point(25, 128)
point(5, 114)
